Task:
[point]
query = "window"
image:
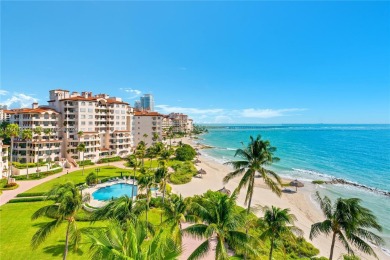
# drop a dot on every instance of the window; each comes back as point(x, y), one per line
point(90, 110)
point(117, 117)
point(90, 103)
point(123, 123)
point(82, 117)
point(90, 123)
point(123, 112)
point(90, 116)
point(82, 109)
point(83, 103)
point(83, 123)
point(123, 117)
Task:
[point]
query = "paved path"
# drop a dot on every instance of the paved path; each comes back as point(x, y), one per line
point(26, 185)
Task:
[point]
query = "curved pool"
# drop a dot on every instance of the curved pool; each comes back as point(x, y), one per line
point(114, 191)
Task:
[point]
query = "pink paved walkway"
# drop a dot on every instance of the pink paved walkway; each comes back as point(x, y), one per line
point(26, 185)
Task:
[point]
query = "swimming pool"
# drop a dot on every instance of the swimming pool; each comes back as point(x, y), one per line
point(114, 191)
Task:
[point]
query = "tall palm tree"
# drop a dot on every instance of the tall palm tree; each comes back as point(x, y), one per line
point(175, 210)
point(115, 243)
point(347, 220)
point(123, 209)
point(220, 219)
point(11, 131)
point(140, 151)
point(145, 182)
point(132, 162)
point(170, 135)
point(277, 224)
point(254, 157)
point(38, 131)
point(48, 132)
point(67, 201)
point(27, 136)
point(81, 149)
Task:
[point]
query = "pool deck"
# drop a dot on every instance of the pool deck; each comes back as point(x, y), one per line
point(100, 203)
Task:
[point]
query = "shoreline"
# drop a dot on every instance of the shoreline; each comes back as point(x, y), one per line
point(301, 203)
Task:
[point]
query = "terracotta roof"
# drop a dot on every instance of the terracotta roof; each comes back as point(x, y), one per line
point(30, 110)
point(93, 99)
point(146, 113)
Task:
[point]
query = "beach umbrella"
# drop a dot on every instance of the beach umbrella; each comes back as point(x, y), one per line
point(198, 153)
point(225, 191)
point(201, 171)
point(197, 161)
point(296, 184)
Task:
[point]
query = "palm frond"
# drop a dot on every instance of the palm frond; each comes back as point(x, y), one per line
point(200, 251)
point(40, 236)
point(320, 227)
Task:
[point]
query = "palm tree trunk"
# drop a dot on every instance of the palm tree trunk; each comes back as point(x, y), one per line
point(332, 246)
point(38, 162)
point(161, 214)
point(82, 173)
point(28, 157)
point(66, 241)
point(271, 250)
point(132, 191)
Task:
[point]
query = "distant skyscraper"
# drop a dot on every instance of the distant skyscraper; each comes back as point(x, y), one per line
point(137, 104)
point(147, 102)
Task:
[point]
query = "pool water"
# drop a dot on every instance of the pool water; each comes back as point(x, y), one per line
point(114, 191)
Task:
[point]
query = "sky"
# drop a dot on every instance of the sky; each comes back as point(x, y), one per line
point(264, 62)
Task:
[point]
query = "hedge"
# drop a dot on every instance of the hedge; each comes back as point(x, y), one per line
point(33, 199)
point(85, 163)
point(19, 165)
point(35, 176)
point(30, 194)
point(112, 159)
point(183, 173)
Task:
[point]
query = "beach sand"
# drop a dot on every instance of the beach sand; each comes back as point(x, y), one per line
point(300, 203)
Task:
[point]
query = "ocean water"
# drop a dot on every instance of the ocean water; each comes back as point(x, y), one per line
point(356, 153)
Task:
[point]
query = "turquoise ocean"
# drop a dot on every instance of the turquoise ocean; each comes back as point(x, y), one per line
point(355, 153)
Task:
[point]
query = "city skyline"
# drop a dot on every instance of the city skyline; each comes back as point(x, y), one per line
point(240, 64)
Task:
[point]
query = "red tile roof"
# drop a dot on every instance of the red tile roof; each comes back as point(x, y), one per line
point(146, 113)
point(30, 110)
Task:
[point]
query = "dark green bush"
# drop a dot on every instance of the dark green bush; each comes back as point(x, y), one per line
point(183, 173)
point(35, 176)
point(19, 165)
point(185, 153)
point(351, 257)
point(112, 159)
point(91, 178)
point(318, 182)
point(85, 163)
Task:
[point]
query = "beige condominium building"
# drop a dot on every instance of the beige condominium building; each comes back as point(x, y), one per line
point(3, 158)
point(147, 127)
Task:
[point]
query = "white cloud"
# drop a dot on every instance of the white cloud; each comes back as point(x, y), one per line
point(187, 110)
point(134, 92)
point(268, 113)
point(18, 100)
point(3, 92)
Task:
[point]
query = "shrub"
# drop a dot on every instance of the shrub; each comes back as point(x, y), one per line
point(112, 159)
point(30, 194)
point(351, 257)
point(9, 185)
point(35, 176)
point(185, 153)
point(318, 182)
point(19, 165)
point(85, 163)
point(183, 173)
point(91, 178)
point(156, 202)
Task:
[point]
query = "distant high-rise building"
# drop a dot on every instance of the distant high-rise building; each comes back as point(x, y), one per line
point(147, 102)
point(137, 104)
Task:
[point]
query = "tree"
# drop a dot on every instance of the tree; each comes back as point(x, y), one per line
point(145, 182)
point(155, 137)
point(91, 178)
point(140, 151)
point(81, 149)
point(132, 162)
point(123, 209)
point(27, 136)
point(254, 157)
point(175, 210)
point(185, 153)
point(278, 224)
point(11, 131)
point(38, 131)
point(220, 219)
point(67, 201)
point(115, 243)
point(347, 220)
point(170, 135)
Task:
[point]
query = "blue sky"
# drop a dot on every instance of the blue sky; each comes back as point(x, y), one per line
point(220, 62)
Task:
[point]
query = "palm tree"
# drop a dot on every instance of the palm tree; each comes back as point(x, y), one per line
point(38, 131)
point(255, 156)
point(277, 224)
point(347, 220)
point(48, 132)
point(155, 137)
point(27, 136)
point(81, 149)
point(145, 182)
point(115, 243)
point(140, 151)
point(133, 163)
point(68, 201)
point(123, 209)
point(11, 131)
point(220, 219)
point(175, 210)
point(170, 135)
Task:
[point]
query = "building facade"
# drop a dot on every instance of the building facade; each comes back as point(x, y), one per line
point(147, 102)
point(147, 127)
point(3, 158)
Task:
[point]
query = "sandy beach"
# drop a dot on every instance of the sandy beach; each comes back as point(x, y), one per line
point(300, 203)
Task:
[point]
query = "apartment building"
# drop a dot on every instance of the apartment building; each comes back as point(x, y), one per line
point(147, 127)
point(99, 121)
point(181, 123)
point(45, 144)
point(3, 158)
